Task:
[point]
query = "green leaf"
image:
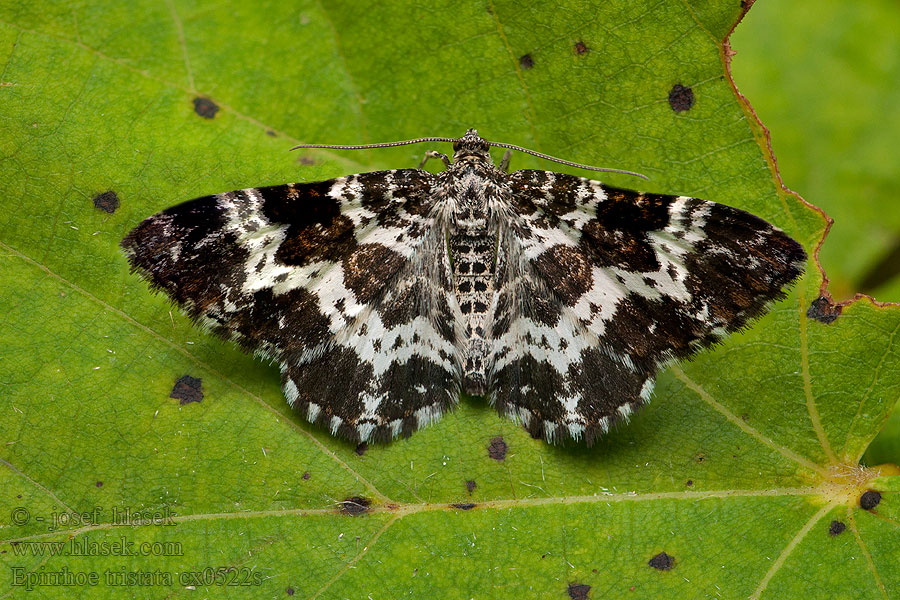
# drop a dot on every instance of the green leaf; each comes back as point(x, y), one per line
point(828, 97)
point(735, 470)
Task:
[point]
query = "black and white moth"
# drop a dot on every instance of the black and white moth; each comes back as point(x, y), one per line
point(383, 295)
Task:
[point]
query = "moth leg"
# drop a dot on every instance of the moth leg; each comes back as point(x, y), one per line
point(504, 162)
point(433, 154)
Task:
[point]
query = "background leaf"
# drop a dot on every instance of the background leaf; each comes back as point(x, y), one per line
point(828, 98)
point(736, 470)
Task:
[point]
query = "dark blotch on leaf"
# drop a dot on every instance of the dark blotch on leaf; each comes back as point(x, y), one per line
point(307, 160)
point(471, 485)
point(99, 484)
point(689, 482)
point(306, 475)
point(361, 448)
point(270, 133)
point(355, 506)
point(463, 505)
point(578, 591)
point(108, 201)
point(289, 591)
point(497, 448)
point(580, 48)
point(836, 528)
point(869, 499)
point(188, 389)
point(681, 98)
point(823, 310)
point(526, 62)
point(205, 107)
point(662, 561)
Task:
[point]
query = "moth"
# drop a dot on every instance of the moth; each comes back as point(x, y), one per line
point(384, 295)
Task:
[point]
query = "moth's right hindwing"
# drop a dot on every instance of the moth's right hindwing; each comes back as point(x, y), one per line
point(344, 282)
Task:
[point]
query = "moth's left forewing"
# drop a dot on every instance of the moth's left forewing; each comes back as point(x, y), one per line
point(636, 280)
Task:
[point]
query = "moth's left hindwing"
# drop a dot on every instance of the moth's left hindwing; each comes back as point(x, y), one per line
point(344, 282)
point(599, 287)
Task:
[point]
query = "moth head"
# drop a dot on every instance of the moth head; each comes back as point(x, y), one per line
point(471, 145)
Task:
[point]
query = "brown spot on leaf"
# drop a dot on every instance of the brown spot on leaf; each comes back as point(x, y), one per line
point(188, 389)
point(306, 475)
point(289, 591)
point(355, 506)
point(580, 48)
point(270, 133)
point(836, 528)
point(526, 62)
point(823, 310)
point(205, 107)
point(464, 505)
point(497, 448)
point(108, 201)
point(689, 482)
point(578, 591)
point(869, 499)
point(662, 562)
point(361, 448)
point(307, 160)
point(700, 457)
point(99, 484)
point(681, 98)
point(471, 485)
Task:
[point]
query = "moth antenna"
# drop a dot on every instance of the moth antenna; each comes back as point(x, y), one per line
point(566, 162)
point(382, 145)
point(453, 140)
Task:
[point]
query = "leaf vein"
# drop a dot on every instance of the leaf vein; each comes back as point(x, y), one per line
point(755, 434)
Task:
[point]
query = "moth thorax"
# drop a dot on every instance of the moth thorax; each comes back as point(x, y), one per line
point(470, 213)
